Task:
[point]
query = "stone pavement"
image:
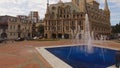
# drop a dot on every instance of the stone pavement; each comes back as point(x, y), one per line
point(23, 54)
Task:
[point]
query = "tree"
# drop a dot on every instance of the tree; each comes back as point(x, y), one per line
point(41, 30)
point(116, 28)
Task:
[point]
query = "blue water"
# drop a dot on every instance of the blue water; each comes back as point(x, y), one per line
point(77, 57)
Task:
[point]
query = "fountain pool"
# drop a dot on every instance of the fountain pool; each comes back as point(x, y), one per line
point(80, 56)
point(77, 57)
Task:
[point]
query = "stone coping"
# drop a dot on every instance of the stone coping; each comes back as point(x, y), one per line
point(55, 62)
point(52, 60)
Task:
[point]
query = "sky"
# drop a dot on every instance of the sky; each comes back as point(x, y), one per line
point(23, 7)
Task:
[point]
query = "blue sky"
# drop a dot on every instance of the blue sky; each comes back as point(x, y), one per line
point(23, 7)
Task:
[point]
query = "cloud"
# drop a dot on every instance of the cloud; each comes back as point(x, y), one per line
point(23, 7)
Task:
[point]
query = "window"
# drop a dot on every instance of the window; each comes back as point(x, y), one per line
point(73, 16)
point(64, 11)
point(60, 11)
point(58, 27)
point(81, 27)
point(53, 8)
point(58, 23)
point(79, 23)
point(81, 15)
point(14, 26)
point(10, 34)
point(18, 26)
point(67, 28)
point(67, 16)
point(60, 15)
point(64, 16)
point(52, 13)
point(10, 26)
point(25, 28)
point(72, 23)
point(77, 16)
point(49, 23)
point(48, 28)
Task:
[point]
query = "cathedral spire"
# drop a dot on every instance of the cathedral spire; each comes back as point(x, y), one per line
point(47, 11)
point(47, 3)
point(106, 6)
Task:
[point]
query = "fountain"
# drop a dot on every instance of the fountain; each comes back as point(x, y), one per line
point(87, 35)
point(86, 55)
point(77, 37)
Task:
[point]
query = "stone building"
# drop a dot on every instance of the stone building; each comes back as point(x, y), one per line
point(34, 16)
point(62, 18)
point(14, 27)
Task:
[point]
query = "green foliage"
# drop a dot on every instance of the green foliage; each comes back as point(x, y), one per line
point(116, 28)
point(41, 30)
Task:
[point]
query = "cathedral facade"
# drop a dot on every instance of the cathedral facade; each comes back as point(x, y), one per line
point(63, 18)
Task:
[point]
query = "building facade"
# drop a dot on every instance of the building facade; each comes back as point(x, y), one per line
point(62, 18)
point(14, 27)
point(34, 16)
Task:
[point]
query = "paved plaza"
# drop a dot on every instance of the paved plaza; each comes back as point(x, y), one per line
point(24, 55)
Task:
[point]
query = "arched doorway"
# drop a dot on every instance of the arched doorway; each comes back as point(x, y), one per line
point(66, 36)
point(45, 36)
point(53, 35)
point(60, 36)
point(4, 35)
point(29, 35)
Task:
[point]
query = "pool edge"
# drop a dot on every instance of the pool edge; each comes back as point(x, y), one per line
point(60, 64)
point(51, 59)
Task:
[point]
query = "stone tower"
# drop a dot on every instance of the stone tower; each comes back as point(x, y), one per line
point(107, 13)
point(76, 2)
point(47, 11)
point(106, 10)
point(81, 4)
